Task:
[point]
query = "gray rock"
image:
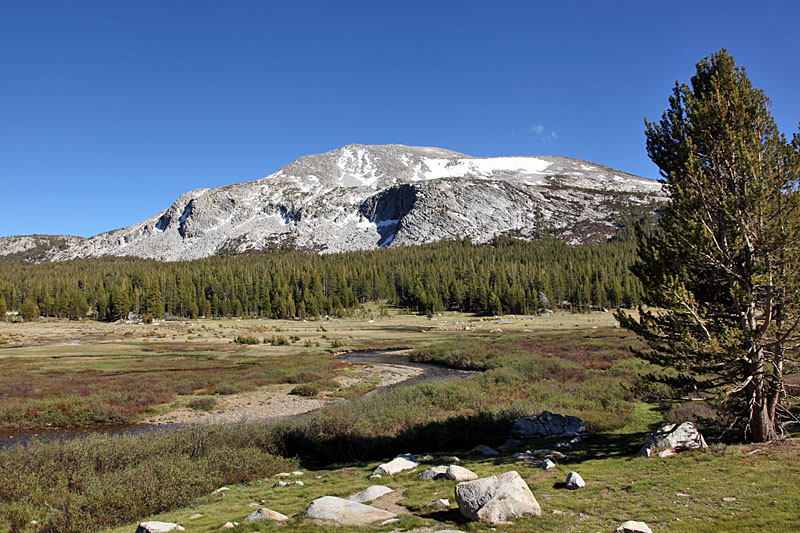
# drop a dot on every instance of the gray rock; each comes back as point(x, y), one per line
point(370, 493)
point(266, 514)
point(632, 526)
point(459, 473)
point(485, 451)
point(547, 424)
point(375, 476)
point(575, 481)
point(451, 459)
point(158, 527)
point(229, 525)
point(436, 472)
point(496, 499)
point(401, 463)
point(442, 502)
point(345, 512)
point(673, 437)
point(547, 464)
point(512, 442)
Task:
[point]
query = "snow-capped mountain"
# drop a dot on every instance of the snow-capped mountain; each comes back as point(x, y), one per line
point(362, 197)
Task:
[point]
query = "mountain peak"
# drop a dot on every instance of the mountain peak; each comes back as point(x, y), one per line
point(363, 196)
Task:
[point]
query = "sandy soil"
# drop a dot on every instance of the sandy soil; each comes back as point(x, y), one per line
point(275, 402)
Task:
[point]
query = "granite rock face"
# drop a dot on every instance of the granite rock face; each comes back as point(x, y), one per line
point(548, 424)
point(361, 197)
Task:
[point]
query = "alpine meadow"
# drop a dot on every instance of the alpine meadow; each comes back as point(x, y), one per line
point(395, 338)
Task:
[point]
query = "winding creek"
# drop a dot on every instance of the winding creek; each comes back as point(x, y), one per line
point(429, 372)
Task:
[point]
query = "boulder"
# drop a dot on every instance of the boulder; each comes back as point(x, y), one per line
point(451, 459)
point(401, 463)
point(496, 499)
point(547, 424)
point(345, 512)
point(673, 437)
point(631, 526)
point(436, 472)
point(547, 464)
point(158, 527)
point(485, 451)
point(575, 481)
point(266, 514)
point(459, 473)
point(370, 493)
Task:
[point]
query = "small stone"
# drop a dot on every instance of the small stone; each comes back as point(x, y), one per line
point(442, 502)
point(565, 445)
point(575, 481)
point(547, 464)
point(158, 527)
point(682, 495)
point(390, 521)
point(298, 483)
point(459, 473)
point(297, 473)
point(436, 472)
point(401, 463)
point(375, 476)
point(195, 516)
point(451, 459)
point(558, 456)
point(729, 499)
point(228, 525)
point(371, 493)
point(283, 474)
point(279, 484)
point(557, 512)
point(266, 514)
point(426, 459)
point(669, 452)
point(632, 526)
point(219, 490)
point(485, 451)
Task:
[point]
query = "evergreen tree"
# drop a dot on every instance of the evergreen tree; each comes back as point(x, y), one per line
point(725, 265)
point(29, 310)
point(3, 309)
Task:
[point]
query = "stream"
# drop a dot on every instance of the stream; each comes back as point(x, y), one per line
point(430, 372)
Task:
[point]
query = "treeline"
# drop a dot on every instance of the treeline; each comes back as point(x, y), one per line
point(506, 276)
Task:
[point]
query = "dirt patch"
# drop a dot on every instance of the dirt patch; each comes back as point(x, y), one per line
point(274, 401)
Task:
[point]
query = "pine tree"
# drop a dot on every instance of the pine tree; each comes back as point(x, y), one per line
point(725, 264)
point(3, 309)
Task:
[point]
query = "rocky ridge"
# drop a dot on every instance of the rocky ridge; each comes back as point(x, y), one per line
point(362, 197)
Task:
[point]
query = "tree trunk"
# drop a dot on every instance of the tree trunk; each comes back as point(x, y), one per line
point(761, 423)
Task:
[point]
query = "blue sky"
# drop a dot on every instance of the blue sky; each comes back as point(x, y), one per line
point(110, 110)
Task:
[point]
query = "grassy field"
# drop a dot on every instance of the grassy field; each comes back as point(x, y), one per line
point(62, 373)
point(574, 364)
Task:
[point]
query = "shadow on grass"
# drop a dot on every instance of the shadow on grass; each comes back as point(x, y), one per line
point(446, 515)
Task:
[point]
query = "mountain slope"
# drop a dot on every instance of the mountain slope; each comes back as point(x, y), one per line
point(360, 197)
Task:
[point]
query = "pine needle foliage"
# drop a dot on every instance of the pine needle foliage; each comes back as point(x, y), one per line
point(723, 269)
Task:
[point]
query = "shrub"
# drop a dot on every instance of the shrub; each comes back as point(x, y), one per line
point(205, 403)
point(241, 339)
point(305, 389)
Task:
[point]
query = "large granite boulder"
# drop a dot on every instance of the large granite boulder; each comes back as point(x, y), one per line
point(673, 437)
point(496, 499)
point(547, 424)
point(401, 463)
point(345, 512)
point(158, 527)
point(371, 493)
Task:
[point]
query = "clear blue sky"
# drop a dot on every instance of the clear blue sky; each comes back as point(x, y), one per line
point(109, 110)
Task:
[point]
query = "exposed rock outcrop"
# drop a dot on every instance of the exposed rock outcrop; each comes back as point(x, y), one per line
point(345, 512)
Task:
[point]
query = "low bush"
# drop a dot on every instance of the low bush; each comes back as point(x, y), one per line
point(241, 339)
